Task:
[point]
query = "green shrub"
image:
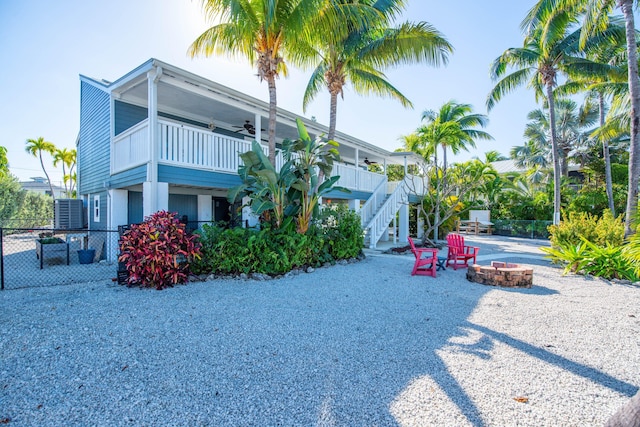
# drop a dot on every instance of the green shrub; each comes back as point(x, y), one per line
point(275, 251)
point(600, 231)
point(606, 261)
point(343, 231)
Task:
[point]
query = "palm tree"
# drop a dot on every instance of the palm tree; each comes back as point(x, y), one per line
point(492, 156)
point(550, 49)
point(597, 19)
point(35, 147)
point(453, 126)
point(266, 33)
point(570, 131)
point(68, 159)
point(359, 56)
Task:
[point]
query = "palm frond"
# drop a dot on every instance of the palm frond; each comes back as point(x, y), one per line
point(365, 82)
point(508, 84)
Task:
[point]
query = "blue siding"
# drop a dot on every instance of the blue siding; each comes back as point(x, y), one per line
point(134, 176)
point(93, 145)
point(102, 224)
point(135, 208)
point(184, 204)
point(127, 115)
point(195, 177)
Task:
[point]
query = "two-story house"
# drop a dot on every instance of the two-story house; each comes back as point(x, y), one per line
point(161, 137)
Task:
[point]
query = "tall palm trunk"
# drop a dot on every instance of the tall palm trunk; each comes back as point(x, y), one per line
point(555, 151)
point(53, 196)
point(634, 91)
point(607, 158)
point(436, 219)
point(273, 110)
point(444, 158)
point(333, 115)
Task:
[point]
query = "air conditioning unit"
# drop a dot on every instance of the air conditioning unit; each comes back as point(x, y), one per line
point(69, 214)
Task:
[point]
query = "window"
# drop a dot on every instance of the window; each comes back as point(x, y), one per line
point(96, 208)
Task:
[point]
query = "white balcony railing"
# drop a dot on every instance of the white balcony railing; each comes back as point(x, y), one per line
point(130, 148)
point(357, 179)
point(191, 147)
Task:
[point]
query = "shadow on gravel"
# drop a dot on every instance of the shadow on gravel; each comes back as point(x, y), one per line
point(590, 373)
point(353, 345)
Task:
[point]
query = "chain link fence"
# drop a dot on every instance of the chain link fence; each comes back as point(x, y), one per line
point(33, 257)
point(521, 228)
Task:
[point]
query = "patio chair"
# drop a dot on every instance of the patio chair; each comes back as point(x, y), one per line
point(424, 265)
point(459, 253)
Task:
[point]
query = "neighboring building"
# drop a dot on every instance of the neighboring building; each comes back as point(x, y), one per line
point(164, 138)
point(41, 185)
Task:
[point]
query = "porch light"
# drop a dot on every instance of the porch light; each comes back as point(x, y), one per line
point(212, 124)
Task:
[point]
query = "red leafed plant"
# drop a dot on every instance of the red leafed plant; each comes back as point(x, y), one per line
point(157, 252)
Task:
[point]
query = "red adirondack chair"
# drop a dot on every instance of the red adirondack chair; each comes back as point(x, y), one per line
point(459, 254)
point(424, 265)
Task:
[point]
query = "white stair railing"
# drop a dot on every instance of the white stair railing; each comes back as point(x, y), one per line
point(373, 203)
point(379, 224)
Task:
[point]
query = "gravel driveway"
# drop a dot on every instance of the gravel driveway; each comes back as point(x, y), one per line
point(361, 344)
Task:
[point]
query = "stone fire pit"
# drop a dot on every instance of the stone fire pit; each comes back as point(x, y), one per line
point(501, 274)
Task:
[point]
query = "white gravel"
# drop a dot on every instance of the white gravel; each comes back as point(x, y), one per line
point(361, 344)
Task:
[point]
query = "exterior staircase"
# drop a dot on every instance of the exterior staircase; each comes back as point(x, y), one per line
point(380, 209)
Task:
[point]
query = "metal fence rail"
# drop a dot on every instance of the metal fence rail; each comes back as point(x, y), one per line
point(521, 228)
point(29, 261)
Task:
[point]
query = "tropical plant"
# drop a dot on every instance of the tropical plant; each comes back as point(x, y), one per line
point(569, 254)
point(36, 147)
point(4, 162)
point(266, 188)
point(271, 251)
point(454, 126)
point(583, 225)
point(551, 48)
point(269, 33)
point(294, 191)
point(360, 55)
point(157, 252)
point(342, 231)
point(68, 160)
point(596, 19)
point(11, 198)
point(631, 252)
point(572, 129)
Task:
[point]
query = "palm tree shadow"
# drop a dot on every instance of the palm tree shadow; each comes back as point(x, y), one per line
point(595, 375)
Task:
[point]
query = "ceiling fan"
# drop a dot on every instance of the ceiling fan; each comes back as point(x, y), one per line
point(248, 127)
point(369, 162)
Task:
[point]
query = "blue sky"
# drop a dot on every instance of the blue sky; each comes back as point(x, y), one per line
point(44, 46)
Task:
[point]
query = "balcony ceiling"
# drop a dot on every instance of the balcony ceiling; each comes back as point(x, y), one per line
point(204, 105)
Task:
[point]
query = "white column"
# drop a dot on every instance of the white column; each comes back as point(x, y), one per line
point(152, 166)
point(205, 209)
point(403, 228)
point(118, 206)
point(162, 196)
point(154, 201)
point(420, 224)
point(354, 205)
point(357, 169)
point(258, 126)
